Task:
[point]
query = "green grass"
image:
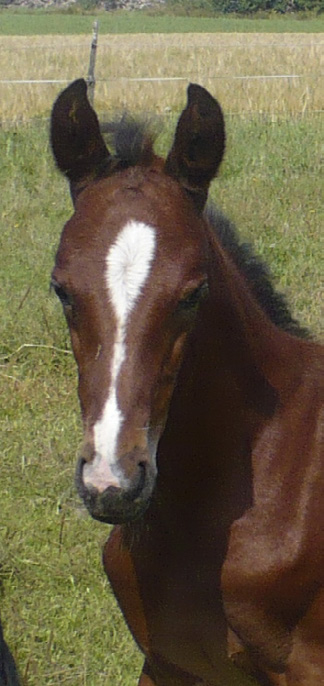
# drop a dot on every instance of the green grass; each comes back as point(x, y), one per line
point(58, 612)
point(41, 23)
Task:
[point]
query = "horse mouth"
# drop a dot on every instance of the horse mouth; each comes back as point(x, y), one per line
point(117, 505)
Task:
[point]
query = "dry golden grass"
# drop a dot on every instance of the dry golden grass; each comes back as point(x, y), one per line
point(209, 59)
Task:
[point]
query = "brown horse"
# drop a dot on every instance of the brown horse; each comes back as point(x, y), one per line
point(201, 410)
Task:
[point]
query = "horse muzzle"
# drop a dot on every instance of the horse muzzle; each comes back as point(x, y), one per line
point(121, 501)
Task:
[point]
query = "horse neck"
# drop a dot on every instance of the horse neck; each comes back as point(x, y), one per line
point(236, 368)
point(258, 353)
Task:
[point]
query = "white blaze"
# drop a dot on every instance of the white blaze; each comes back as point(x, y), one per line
point(128, 265)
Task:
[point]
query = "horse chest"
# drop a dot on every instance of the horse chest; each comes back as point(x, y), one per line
point(173, 608)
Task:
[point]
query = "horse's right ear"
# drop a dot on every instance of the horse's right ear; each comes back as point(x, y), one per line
point(78, 146)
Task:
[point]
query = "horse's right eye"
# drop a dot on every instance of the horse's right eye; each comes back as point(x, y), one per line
point(62, 294)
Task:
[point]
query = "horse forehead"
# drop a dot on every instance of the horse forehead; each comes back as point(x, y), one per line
point(105, 208)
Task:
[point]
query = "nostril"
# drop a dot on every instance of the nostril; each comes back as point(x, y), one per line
point(87, 452)
point(85, 491)
point(138, 483)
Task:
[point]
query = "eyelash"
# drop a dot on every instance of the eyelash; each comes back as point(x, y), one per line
point(194, 298)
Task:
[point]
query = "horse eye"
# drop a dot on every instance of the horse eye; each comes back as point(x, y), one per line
point(192, 300)
point(62, 294)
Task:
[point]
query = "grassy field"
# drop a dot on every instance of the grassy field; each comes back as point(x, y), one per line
point(58, 611)
point(221, 62)
point(37, 22)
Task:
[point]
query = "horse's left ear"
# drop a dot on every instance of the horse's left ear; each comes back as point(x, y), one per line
point(198, 145)
point(78, 146)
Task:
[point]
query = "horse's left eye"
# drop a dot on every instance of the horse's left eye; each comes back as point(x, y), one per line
point(193, 299)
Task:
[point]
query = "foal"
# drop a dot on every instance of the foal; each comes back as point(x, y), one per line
point(202, 433)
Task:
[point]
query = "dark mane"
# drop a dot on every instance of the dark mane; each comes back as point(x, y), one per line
point(132, 140)
point(256, 273)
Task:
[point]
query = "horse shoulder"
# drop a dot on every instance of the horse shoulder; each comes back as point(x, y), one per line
point(275, 558)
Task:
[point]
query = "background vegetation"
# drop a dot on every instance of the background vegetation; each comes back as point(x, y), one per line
point(198, 6)
point(75, 21)
point(58, 611)
point(243, 6)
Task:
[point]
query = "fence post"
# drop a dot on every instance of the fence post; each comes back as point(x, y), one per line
point(91, 81)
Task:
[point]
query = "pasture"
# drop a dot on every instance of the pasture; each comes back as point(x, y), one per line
point(58, 612)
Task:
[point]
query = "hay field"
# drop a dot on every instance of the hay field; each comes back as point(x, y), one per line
point(209, 59)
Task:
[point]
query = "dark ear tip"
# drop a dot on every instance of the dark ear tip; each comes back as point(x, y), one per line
point(194, 90)
point(76, 89)
point(79, 86)
point(198, 95)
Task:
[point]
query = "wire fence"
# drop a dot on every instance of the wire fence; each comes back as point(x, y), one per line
point(309, 81)
point(153, 79)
